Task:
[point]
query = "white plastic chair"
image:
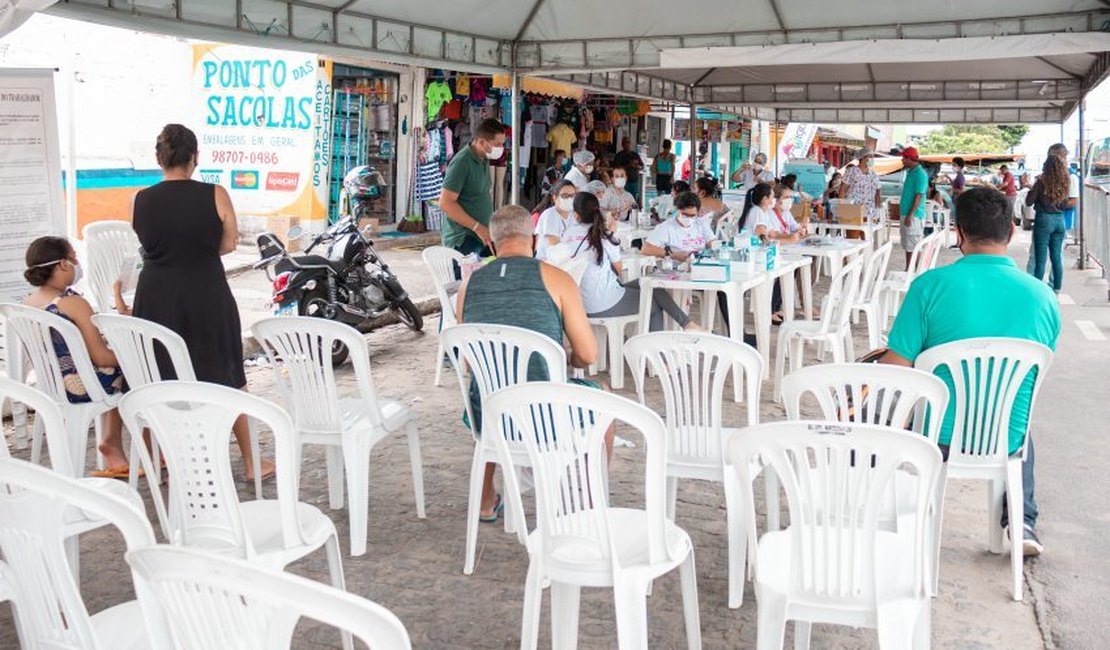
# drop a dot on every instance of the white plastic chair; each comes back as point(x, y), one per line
point(35, 507)
point(833, 328)
point(136, 342)
point(212, 601)
point(441, 262)
point(299, 349)
point(18, 412)
point(869, 301)
point(108, 244)
point(987, 374)
point(497, 356)
point(897, 283)
point(692, 369)
point(883, 395)
point(579, 539)
point(33, 329)
point(833, 564)
point(610, 333)
point(192, 422)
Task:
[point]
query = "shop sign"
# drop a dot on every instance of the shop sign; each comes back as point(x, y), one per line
point(259, 115)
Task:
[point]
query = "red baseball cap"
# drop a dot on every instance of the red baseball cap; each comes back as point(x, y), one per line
point(910, 152)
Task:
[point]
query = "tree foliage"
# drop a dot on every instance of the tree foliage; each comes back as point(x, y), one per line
point(972, 139)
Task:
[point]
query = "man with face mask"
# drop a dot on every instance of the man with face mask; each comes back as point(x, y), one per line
point(750, 176)
point(983, 294)
point(466, 198)
point(630, 161)
point(579, 174)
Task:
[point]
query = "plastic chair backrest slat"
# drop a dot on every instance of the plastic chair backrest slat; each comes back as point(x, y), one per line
point(836, 478)
point(218, 602)
point(843, 291)
point(563, 427)
point(498, 356)
point(692, 369)
point(33, 328)
point(441, 261)
point(873, 274)
point(192, 423)
point(136, 342)
point(50, 416)
point(34, 503)
point(987, 374)
point(108, 244)
point(870, 393)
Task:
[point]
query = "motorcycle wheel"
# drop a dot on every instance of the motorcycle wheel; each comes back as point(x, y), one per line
point(409, 315)
point(313, 304)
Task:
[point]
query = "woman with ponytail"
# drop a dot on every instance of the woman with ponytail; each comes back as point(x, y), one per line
point(603, 295)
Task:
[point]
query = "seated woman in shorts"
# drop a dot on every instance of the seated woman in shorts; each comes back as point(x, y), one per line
point(53, 269)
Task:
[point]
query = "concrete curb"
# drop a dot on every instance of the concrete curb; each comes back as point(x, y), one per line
point(426, 306)
point(422, 240)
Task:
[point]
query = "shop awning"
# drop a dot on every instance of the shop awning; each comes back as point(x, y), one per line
point(836, 136)
point(541, 86)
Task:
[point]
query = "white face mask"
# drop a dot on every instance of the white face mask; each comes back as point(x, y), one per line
point(757, 167)
point(619, 183)
point(786, 204)
point(564, 205)
point(78, 273)
point(495, 153)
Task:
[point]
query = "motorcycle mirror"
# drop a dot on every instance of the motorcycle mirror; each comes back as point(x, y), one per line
point(296, 232)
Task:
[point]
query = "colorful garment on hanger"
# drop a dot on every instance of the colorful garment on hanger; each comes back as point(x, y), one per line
point(562, 137)
point(436, 95)
point(429, 181)
point(462, 85)
point(453, 110)
point(478, 92)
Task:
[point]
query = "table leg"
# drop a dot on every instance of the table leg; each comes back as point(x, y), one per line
point(807, 291)
point(734, 298)
point(787, 284)
point(708, 309)
point(646, 291)
point(762, 296)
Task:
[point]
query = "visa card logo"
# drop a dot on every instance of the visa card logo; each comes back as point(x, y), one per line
point(244, 180)
point(213, 176)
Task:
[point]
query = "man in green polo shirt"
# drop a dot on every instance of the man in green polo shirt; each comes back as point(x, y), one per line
point(911, 207)
point(984, 294)
point(465, 198)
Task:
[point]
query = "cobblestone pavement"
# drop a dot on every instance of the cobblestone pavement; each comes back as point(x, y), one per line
point(414, 567)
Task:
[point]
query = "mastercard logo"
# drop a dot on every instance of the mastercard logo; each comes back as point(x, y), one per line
point(244, 180)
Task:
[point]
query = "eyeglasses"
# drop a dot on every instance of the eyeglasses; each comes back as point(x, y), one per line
point(689, 214)
point(565, 196)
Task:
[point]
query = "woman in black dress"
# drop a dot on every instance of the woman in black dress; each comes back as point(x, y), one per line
point(184, 227)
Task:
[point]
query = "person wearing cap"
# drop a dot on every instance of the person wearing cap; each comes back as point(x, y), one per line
point(911, 209)
point(750, 176)
point(579, 174)
point(861, 185)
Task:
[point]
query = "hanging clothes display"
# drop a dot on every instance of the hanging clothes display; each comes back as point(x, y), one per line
point(436, 95)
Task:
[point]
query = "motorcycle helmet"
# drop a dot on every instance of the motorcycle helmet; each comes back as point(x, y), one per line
point(362, 184)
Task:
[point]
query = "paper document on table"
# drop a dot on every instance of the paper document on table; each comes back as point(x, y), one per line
point(818, 240)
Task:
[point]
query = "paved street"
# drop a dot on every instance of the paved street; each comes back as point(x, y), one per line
point(414, 567)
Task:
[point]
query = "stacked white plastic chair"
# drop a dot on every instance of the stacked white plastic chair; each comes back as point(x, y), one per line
point(869, 300)
point(833, 564)
point(897, 283)
point(496, 356)
point(107, 244)
point(192, 423)
point(218, 602)
point(299, 349)
point(35, 506)
point(31, 329)
point(441, 262)
point(136, 342)
point(882, 395)
point(833, 328)
point(987, 374)
point(692, 370)
point(579, 539)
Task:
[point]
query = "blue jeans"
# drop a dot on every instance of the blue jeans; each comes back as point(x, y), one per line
point(1027, 485)
point(1048, 244)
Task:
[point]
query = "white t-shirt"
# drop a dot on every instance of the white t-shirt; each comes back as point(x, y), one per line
point(664, 206)
point(600, 286)
point(749, 179)
point(613, 199)
point(769, 219)
point(575, 175)
point(1073, 186)
point(552, 224)
point(693, 237)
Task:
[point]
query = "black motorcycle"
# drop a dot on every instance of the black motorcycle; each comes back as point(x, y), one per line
point(350, 285)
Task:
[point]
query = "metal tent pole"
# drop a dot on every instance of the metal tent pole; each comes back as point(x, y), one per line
point(514, 147)
point(1081, 207)
point(692, 126)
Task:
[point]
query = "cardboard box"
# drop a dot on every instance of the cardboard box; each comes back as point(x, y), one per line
point(801, 210)
point(894, 208)
point(849, 213)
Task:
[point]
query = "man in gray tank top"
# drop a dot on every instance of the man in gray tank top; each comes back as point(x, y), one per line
point(517, 289)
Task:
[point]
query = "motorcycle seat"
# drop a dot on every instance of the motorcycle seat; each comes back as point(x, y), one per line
point(308, 261)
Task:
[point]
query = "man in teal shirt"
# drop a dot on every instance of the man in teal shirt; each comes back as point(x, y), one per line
point(912, 206)
point(466, 198)
point(984, 294)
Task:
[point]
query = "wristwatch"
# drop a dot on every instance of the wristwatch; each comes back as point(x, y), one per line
point(667, 250)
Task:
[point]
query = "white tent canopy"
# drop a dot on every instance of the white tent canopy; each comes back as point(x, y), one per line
point(802, 60)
